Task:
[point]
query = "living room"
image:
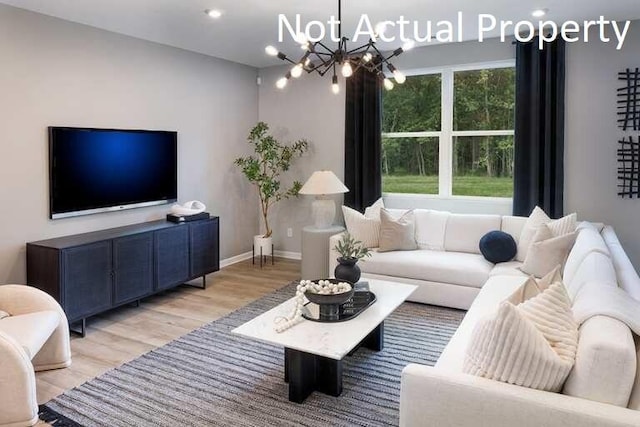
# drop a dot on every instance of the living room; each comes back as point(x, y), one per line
point(430, 136)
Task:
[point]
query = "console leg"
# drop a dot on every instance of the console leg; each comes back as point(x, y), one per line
point(253, 255)
point(83, 328)
point(272, 251)
point(261, 257)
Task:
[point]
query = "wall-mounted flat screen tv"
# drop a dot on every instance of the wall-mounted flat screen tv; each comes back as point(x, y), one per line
point(101, 170)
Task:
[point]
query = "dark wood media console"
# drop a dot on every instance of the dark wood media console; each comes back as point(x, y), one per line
point(94, 272)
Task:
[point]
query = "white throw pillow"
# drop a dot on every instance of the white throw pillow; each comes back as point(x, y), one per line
point(397, 234)
point(365, 228)
point(538, 217)
point(546, 252)
point(532, 344)
point(534, 286)
point(535, 220)
point(373, 211)
point(3, 314)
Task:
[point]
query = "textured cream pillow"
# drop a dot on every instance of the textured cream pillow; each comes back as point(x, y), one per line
point(546, 251)
point(3, 314)
point(397, 234)
point(373, 211)
point(564, 225)
point(366, 230)
point(532, 344)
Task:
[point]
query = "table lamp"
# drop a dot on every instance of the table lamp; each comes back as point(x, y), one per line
point(321, 184)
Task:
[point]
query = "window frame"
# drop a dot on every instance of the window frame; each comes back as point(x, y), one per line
point(446, 134)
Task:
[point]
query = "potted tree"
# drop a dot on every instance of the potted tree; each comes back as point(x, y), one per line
point(263, 170)
point(351, 251)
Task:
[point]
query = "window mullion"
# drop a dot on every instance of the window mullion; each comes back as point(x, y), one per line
point(446, 137)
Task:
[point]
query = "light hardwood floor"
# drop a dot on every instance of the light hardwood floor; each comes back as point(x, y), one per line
point(123, 334)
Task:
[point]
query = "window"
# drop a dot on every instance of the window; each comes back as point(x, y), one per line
point(450, 132)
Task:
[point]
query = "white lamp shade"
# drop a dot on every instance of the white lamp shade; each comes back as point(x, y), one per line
point(323, 182)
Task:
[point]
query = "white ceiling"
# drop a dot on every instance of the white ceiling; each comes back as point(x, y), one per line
point(248, 25)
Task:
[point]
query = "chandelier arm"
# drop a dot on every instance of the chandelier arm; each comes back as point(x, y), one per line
point(360, 49)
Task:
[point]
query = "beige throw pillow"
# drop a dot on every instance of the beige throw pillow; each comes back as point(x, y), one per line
point(533, 287)
point(397, 234)
point(532, 344)
point(546, 252)
point(564, 225)
point(364, 228)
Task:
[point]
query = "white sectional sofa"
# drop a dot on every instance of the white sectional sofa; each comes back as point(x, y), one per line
point(603, 389)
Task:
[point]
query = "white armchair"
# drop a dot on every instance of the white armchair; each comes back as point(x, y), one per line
point(34, 337)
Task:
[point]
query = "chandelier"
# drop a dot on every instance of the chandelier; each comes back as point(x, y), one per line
point(319, 58)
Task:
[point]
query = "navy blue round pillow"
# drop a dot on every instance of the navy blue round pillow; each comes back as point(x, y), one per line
point(498, 246)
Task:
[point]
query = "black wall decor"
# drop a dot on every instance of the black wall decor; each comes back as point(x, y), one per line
point(629, 168)
point(628, 147)
point(629, 100)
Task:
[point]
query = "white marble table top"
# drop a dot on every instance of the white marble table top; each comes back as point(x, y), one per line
point(332, 340)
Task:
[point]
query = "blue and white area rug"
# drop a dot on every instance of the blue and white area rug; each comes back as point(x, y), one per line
point(210, 377)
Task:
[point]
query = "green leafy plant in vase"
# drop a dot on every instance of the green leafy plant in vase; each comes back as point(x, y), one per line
point(350, 251)
point(263, 169)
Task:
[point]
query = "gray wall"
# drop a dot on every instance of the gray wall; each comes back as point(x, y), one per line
point(59, 73)
point(592, 135)
point(307, 108)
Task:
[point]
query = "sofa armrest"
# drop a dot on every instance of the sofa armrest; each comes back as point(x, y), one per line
point(333, 255)
point(20, 299)
point(433, 397)
point(18, 405)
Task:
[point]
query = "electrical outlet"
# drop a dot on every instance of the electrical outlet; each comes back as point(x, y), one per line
point(289, 232)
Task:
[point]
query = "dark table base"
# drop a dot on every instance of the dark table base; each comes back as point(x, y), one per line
point(306, 372)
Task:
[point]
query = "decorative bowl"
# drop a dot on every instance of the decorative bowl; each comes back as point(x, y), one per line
point(331, 299)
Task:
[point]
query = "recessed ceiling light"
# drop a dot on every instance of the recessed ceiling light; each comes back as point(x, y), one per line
point(213, 13)
point(539, 13)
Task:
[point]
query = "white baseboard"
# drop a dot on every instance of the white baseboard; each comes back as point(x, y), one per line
point(235, 259)
point(247, 255)
point(289, 255)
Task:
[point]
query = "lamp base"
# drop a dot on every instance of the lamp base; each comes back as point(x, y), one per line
point(323, 212)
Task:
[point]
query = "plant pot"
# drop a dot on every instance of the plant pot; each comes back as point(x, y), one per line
point(347, 270)
point(262, 243)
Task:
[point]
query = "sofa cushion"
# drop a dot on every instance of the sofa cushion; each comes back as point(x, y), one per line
point(605, 362)
point(588, 240)
point(446, 267)
point(595, 267)
point(397, 234)
point(497, 246)
point(513, 225)
point(634, 398)
point(532, 344)
point(464, 232)
point(495, 290)
point(31, 330)
point(511, 268)
point(430, 229)
point(625, 272)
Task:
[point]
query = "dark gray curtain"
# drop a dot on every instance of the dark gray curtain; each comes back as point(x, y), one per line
point(363, 140)
point(539, 128)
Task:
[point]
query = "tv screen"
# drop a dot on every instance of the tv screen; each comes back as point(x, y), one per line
point(98, 170)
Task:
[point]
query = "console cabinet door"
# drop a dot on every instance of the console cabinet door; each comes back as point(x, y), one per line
point(87, 280)
point(133, 267)
point(205, 250)
point(172, 257)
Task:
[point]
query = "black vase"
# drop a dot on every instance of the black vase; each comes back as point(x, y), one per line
point(347, 269)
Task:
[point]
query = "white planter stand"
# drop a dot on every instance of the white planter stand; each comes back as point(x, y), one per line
point(263, 247)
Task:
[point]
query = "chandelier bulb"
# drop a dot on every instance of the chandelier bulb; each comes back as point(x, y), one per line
point(400, 78)
point(367, 57)
point(296, 71)
point(281, 83)
point(388, 84)
point(408, 45)
point(347, 71)
point(335, 87)
point(271, 51)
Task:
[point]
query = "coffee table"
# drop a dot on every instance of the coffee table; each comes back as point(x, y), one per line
point(314, 351)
